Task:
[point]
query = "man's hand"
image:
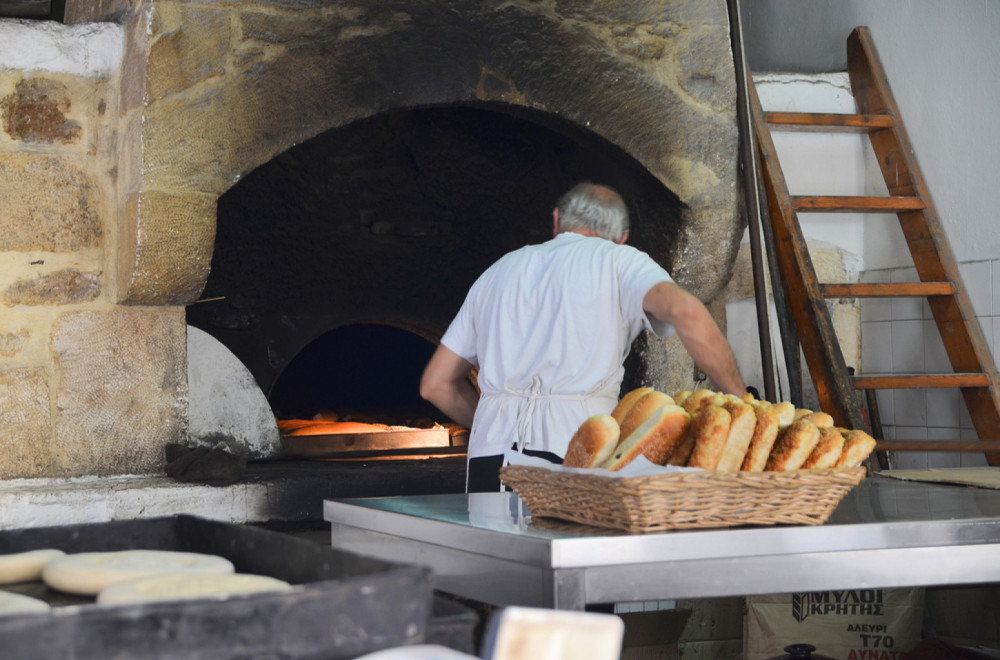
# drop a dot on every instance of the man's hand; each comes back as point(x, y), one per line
point(445, 384)
point(698, 332)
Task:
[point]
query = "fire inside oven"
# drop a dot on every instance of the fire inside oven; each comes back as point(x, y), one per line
point(353, 393)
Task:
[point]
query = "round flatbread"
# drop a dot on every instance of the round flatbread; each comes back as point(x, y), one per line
point(26, 566)
point(179, 586)
point(87, 573)
point(11, 603)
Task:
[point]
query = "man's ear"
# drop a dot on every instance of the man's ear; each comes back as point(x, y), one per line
point(623, 239)
point(555, 221)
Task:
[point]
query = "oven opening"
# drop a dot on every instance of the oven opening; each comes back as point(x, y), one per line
point(338, 263)
point(353, 391)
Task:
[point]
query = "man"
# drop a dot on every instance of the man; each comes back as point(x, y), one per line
point(550, 327)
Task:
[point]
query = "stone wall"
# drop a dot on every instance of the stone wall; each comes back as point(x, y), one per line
point(86, 386)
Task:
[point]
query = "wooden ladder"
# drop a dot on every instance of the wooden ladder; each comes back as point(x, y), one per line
point(837, 388)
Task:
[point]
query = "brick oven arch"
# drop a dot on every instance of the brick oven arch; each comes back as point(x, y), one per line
point(229, 86)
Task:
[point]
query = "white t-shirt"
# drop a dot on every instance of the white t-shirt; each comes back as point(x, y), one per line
point(550, 326)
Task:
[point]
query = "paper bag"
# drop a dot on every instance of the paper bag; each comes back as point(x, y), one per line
point(859, 624)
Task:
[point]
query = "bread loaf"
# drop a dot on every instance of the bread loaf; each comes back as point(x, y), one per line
point(692, 403)
point(857, 446)
point(644, 406)
point(627, 401)
point(593, 442)
point(741, 427)
point(682, 452)
point(765, 432)
point(710, 428)
point(655, 438)
point(793, 446)
point(828, 450)
point(820, 419)
point(786, 413)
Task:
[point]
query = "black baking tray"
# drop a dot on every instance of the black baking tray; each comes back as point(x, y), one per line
point(342, 605)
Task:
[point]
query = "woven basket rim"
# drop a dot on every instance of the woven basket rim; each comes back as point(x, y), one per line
point(683, 500)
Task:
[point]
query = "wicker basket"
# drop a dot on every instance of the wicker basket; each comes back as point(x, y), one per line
point(683, 500)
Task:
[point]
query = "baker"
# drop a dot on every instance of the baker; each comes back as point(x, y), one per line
point(550, 326)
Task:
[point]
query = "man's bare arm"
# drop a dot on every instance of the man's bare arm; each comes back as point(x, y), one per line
point(445, 384)
point(698, 332)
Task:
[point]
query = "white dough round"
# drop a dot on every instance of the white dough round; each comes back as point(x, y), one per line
point(11, 603)
point(87, 573)
point(175, 586)
point(26, 566)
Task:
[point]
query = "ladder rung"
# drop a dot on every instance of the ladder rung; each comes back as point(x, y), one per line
point(835, 204)
point(937, 445)
point(919, 381)
point(884, 290)
point(827, 122)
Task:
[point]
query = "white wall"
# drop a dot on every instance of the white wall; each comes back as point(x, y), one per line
point(941, 62)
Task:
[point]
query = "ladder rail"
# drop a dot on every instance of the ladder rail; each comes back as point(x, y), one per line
point(955, 316)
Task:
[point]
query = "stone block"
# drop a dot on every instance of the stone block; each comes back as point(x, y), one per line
point(11, 343)
point(59, 288)
point(134, 57)
point(37, 112)
point(25, 423)
point(188, 45)
point(122, 393)
point(171, 251)
point(49, 204)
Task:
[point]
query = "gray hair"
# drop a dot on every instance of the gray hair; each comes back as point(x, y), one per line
point(598, 208)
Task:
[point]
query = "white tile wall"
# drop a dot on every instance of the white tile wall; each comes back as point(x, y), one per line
point(900, 336)
point(995, 268)
point(876, 309)
point(978, 280)
point(907, 346)
point(905, 308)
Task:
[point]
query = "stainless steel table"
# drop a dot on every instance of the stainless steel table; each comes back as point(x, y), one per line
point(885, 533)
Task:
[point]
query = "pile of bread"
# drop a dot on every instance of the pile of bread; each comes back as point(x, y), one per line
point(714, 431)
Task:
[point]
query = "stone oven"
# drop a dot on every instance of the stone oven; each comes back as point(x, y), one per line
point(287, 175)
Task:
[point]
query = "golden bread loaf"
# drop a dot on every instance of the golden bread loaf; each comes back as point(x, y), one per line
point(765, 432)
point(593, 442)
point(715, 431)
point(793, 446)
point(655, 438)
point(682, 452)
point(786, 413)
point(820, 419)
point(857, 446)
point(692, 403)
point(627, 401)
point(640, 411)
point(743, 419)
point(827, 451)
point(710, 428)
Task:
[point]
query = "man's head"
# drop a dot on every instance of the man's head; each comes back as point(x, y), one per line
point(593, 209)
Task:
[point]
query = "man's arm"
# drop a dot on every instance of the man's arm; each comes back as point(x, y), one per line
point(698, 332)
point(445, 383)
